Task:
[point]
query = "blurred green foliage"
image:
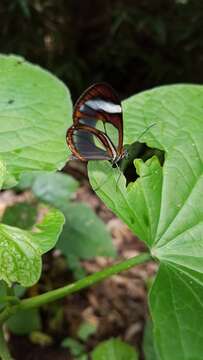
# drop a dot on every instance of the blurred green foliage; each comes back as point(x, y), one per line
point(132, 44)
point(77, 240)
point(21, 215)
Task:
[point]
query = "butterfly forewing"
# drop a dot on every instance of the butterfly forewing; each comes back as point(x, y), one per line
point(97, 130)
point(99, 107)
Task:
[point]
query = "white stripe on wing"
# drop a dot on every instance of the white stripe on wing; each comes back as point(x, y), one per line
point(99, 104)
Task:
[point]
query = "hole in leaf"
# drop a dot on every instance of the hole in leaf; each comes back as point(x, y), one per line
point(138, 151)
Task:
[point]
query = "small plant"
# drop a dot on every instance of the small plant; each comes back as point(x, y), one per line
point(163, 206)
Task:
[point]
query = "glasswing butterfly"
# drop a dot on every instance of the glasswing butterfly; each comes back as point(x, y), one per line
point(97, 130)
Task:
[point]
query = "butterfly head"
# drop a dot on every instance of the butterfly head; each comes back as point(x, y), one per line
point(119, 157)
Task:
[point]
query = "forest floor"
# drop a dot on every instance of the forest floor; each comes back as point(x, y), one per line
point(117, 307)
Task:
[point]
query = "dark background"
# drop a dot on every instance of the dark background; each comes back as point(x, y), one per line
point(132, 44)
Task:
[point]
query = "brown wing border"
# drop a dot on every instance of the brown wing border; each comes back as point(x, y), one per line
point(105, 92)
point(99, 134)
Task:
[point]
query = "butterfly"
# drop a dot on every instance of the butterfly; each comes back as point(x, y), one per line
point(97, 130)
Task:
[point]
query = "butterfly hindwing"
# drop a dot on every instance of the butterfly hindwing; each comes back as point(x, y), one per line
point(88, 144)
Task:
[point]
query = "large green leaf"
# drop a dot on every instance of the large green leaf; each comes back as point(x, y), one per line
point(2, 173)
point(55, 189)
point(148, 342)
point(22, 215)
point(177, 309)
point(77, 240)
point(20, 325)
point(20, 250)
point(139, 203)
point(84, 235)
point(164, 208)
point(35, 110)
point(114, 349)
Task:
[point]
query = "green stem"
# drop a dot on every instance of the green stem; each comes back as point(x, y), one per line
point(4, 351)
point(9, 299)
point(57, 294)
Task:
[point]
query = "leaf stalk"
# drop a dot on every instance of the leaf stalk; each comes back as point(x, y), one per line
point(4, 351)
point(67, 290)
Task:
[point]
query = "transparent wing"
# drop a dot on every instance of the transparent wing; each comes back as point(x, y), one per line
point(99, 107)
point(87, 145)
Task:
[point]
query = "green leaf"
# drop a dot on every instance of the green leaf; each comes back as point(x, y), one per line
point(77, 240)
point(40, 338)
point(145, 193)
point(34, 113)
point(179, 311)
point(2, 173)
point(27, 179)
point(19, 290)
point(22, 215)
point(75, 347)
point(78, 237)
point(47, 232)
point(75, 266)
point(24, 7)
point(3, 293)
point(83, 357)
point(164, 208)
point(84, 234)
point(20, 325)
point(55, 189)
point(114, 349)
point(86, 330)
point(148, 343)
point(21, 250)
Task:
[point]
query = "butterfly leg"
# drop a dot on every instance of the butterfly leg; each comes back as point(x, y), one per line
point(119, 176)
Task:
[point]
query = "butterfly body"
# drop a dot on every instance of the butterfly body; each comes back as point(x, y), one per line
point(97, 130)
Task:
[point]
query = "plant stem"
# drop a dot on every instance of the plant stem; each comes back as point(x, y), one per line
point(53, 295)
point(4, 351)
point(9, 299)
